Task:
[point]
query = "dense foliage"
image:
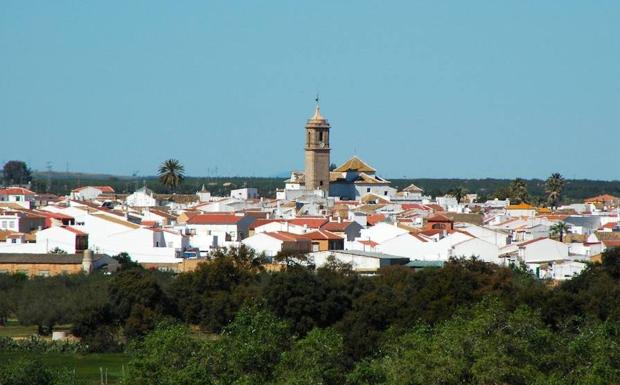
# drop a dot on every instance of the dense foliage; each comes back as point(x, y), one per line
point(469, 322)
point(573, 190)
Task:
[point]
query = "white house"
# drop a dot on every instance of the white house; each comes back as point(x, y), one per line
point(360, 261)
point(521, 210)
point(542, 250)
point(244, 193)
point(273, 242)
point(142, 197)
point(18, 195)
point(203, 195)
point(354, 179)
point(381, 232)
point(88, 193)
point(66, 238)
point(228, 227)
point(478, 248)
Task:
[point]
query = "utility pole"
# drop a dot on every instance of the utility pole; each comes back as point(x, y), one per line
point(48, 166)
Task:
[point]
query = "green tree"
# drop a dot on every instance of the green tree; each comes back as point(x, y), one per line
point(171, 173)
point(318, 358)
point(560, 229)
point(16, 172)
point(484, 345)
point(212, 294)
point(138, 300)
point(169, 355)
point(249, 348)
point(458, 193)
point(518, 191)
point(554, 185)
point(308, 299)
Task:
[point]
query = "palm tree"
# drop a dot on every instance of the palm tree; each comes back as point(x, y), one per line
point(560, 229)
point(171, 173)
point(458, 193)
point(553, 187)
point(518, 191)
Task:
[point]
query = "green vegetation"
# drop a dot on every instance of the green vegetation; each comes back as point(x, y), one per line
point(469, 322)
point(170, 177)
point(171, 174)
point(16, 172)
point(73, 368)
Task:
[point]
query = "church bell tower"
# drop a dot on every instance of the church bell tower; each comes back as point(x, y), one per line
point(317, 152)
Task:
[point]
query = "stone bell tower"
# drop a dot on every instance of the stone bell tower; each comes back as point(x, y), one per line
point(317, 152)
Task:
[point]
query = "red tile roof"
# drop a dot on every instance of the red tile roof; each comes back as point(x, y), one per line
point(415, 206)
point(214, 219)
point(16, 191)
point(286, 237)
point(336, 226)
point(612, 243)
point(435, 207)
point(260, 222)
point(319, 235)
point(312, 222)
point(369, 243)
point(439, 218)
point(103, 189)
point(373, 219)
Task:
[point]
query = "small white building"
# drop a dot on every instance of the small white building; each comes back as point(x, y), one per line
point(360, 261)
point(68, 239)
point(89, 193)
point(203, 195)
point(542, 250)
point(142, 197)
point(244, 193)
point(18, 195)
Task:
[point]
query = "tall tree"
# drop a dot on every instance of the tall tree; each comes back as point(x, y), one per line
point(16, 172)
point(458, 193)
point(171, 173)
point(518, 191)
point(553, 187)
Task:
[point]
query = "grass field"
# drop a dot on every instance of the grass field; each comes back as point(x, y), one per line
point(86, 366)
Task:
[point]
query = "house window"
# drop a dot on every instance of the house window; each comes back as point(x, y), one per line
point(321, 183)
point(4, 224)
point(43, 273)
point(321, 136)
point(385, 193)
point(368, 189)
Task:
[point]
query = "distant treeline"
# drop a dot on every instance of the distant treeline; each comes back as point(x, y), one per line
point(575, 190)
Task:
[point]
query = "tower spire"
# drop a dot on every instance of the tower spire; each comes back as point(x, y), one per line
point(317, 110)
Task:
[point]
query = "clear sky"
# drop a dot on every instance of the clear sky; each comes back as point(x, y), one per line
point(415, 88)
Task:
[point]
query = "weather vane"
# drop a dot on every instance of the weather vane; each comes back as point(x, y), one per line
point(317, 99)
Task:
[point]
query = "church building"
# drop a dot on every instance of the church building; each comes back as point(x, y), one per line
point(352, 180)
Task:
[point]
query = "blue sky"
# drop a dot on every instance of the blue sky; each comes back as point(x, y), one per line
point(415, 88)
